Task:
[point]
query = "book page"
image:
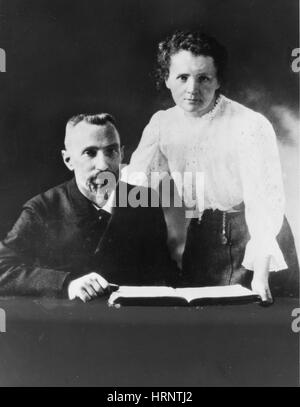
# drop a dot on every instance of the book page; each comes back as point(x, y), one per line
point(143, 292)
point(188, 293)
point(227, 291)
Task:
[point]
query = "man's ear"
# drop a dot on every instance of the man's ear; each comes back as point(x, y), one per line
point(67, 159)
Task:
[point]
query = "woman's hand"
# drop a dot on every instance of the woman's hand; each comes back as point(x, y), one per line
point(260, 281)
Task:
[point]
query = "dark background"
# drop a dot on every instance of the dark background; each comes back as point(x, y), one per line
point(68, 56)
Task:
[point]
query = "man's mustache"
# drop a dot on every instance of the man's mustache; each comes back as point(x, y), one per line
point(107, 179)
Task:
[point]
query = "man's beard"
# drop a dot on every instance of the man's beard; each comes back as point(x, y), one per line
point(101, 185)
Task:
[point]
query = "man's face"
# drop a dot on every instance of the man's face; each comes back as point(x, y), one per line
point(93, 152)
point(193, 82)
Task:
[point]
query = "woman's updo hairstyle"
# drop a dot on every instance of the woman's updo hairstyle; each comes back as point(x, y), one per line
point(197, 43)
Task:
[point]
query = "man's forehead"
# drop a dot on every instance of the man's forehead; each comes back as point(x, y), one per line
point(85, 133)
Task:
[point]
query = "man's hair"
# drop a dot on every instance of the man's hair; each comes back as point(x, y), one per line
point(197, 43)
point(99, 119)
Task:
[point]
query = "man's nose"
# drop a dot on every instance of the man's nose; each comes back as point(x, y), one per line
point(101, 162)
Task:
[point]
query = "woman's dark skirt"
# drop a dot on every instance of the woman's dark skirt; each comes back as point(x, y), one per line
point(207, 261)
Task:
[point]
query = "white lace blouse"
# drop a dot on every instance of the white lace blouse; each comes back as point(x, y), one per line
point(235, 148)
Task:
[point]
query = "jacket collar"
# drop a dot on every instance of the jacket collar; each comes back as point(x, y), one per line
point(85, 208)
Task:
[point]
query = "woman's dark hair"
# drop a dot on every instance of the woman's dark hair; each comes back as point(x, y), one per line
point(196, 42)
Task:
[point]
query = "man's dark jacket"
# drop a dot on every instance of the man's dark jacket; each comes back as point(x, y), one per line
point(58, 237)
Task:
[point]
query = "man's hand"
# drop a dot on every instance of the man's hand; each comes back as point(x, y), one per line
point(87, 287)
point(260, 281)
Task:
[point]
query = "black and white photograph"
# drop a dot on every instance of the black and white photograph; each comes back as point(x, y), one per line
point(149, 196)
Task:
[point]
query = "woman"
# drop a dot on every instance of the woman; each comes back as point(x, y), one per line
point(234, 238)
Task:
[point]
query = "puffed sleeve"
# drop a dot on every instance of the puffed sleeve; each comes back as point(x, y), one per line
point(262, 192)
point(147, 159)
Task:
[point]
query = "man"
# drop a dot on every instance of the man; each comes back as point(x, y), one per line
point(78, 237)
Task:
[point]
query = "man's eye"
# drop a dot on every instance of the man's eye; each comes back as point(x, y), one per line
point(202, 79)
point(111, 151)
point(90, 153)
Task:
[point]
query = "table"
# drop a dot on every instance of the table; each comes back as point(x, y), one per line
point(50, 342)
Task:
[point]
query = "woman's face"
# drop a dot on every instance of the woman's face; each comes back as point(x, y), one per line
point(193, 82)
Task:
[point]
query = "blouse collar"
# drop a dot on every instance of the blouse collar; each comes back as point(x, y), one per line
point(209, 115)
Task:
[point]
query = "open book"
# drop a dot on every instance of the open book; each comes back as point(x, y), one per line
point(154, 295)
